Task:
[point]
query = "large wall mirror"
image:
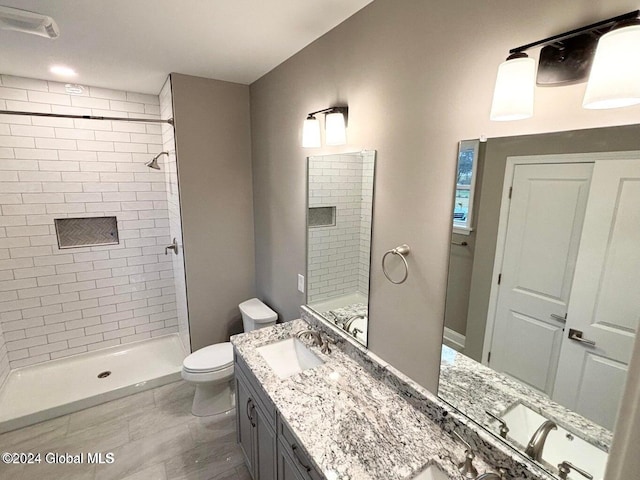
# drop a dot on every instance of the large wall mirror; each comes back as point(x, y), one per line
point(340, 208)
point(543, 298)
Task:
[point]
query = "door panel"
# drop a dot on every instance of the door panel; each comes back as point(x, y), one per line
point(244, 423)
point(531, 344)
point(541, 245)
point(286, 468)
point(265, 449)
point(600, 375)
point(605, 302)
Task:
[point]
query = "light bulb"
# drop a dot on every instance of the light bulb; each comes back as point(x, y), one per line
point(336, 132)
point(311, 133)
point(514, 92)
point(615, 74)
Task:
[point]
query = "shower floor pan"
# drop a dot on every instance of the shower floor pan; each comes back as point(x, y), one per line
point(51, 389)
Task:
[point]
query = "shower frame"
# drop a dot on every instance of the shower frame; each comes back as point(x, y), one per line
point(86, 117)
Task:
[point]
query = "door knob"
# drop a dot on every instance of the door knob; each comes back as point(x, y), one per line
point(173, 246)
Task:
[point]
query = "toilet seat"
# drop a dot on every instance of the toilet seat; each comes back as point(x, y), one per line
point(210, 359)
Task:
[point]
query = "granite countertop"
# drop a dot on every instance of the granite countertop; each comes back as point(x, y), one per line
point(461, 377)
point(353, 426)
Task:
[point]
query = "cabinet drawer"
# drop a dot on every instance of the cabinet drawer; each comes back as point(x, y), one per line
point(290, 444)
point(260, 396)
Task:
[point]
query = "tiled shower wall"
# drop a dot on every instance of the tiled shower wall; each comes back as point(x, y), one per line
point(170, 168)
point(4, 359)
point(336, 258)
point(366, 213)
point(53, 302)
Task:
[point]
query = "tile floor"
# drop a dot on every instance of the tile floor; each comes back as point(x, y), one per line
point(152, 436)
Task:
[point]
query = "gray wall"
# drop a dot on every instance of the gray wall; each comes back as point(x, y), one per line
point(624, 461)
point(214, 170)
point(418, 76)
point(461, 261)
point(497, 151)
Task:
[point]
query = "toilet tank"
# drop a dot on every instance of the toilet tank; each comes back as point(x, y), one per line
point(256, 314)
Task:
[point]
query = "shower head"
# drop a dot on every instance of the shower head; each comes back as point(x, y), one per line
point(153, 163)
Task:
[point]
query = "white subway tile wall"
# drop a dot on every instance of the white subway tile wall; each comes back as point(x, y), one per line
point(55, 303)
point(4, 358)
point(366, 213)
point(170, 169)
point(339, 255)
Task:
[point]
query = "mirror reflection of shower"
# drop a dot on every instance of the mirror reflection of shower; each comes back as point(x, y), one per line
point(153, 163)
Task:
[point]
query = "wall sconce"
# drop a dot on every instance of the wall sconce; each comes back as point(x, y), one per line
point(605, 53)
point(335, 127)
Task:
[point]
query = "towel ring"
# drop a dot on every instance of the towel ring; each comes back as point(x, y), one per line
point(402, 251)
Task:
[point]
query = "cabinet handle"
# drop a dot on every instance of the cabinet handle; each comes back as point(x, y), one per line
point(250, 408)
point(294, 448)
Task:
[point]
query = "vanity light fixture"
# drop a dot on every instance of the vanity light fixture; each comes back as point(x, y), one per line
point(605, 53)
point(24, 21)
point(335, 127)
point(615, 74)
point(515, 84)
point(311, 132)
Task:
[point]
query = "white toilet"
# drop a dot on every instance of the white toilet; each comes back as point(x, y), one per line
point(211, 368)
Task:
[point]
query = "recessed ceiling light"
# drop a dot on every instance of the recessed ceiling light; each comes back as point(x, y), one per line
point(63, 71)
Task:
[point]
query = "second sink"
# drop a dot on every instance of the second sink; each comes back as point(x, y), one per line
point(560, 445)
point(288, 357)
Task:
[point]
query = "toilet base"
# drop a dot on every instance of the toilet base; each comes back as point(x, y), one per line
point(213, 398)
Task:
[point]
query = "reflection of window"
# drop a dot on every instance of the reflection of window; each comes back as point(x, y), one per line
point(465, 181)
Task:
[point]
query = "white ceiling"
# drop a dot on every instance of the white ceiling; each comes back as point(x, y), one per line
point(134, 44)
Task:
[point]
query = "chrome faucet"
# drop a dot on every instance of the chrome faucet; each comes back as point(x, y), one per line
point(466, 467)
point(319, 339)
point(504, 429)
point(565, 467)
point(538, 439)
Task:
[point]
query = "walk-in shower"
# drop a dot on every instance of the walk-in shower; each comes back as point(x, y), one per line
point(85, 285)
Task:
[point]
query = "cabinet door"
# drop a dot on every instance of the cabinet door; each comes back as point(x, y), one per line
point(265, 453)
point(245, 423)
point(286, 468)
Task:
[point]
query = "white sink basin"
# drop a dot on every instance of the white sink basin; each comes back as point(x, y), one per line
point(432, 472)
point(288, 357)
point(560, 445)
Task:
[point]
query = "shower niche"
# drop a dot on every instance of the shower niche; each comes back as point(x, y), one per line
point(86, 232)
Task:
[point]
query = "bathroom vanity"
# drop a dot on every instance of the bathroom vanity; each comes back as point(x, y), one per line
point(343, 418)
point(267, 454)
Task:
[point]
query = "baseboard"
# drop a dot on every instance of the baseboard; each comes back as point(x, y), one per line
point(454, 339)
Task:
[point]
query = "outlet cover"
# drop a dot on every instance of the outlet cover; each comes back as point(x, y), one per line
point(301, 283)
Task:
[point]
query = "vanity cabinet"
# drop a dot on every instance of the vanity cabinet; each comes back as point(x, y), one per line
point(270, 449)
point(286, 468)
point(292, 458)
point(255, 429)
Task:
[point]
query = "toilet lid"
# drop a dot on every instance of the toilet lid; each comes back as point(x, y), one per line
point(213, 357)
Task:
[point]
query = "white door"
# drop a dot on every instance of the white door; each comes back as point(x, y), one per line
point(542, 240)
point(605, 300)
